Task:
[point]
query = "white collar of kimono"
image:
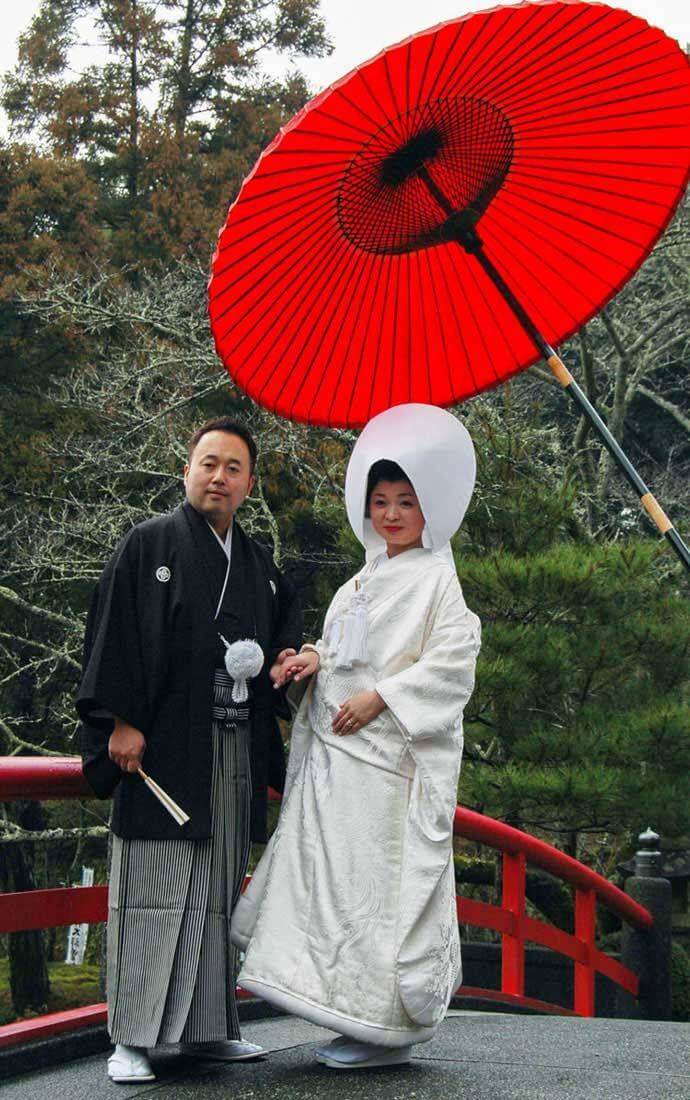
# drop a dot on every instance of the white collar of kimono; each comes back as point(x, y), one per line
point(435, 451)
point(244, 658)
point(226, 543)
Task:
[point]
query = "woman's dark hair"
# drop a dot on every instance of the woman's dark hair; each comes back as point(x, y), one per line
point(383, 470)
point(232, 427)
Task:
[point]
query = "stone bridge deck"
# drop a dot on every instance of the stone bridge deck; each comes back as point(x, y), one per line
point(475, 1056)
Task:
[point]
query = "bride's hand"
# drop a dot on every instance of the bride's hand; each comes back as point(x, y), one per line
point(358, 711)
point(295, 668)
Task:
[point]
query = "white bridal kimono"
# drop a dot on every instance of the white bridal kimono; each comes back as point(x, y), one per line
point(350, 918)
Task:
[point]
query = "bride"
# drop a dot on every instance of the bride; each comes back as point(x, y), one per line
point(349, 920)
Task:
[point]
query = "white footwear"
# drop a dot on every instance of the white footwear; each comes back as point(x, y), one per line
point(353, 1055)
point(129, 1064)
point(327, 1048)
point(225, 1050)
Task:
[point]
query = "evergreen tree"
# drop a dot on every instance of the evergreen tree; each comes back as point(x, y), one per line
point(172, 117)
point(48, 220)
point(580, 717)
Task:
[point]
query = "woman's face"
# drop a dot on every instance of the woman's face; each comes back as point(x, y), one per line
point(396, 516)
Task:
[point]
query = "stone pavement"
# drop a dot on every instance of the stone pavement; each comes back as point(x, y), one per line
point(475, 1056)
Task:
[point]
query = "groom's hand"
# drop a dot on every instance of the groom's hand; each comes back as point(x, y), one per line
point(276, 672)
point(126, 746)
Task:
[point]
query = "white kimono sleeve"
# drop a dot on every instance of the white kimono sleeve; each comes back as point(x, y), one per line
point(426, 701)
point(428, 698)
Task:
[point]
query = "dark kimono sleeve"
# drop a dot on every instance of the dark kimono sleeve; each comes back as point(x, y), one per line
point(287, 631)
point(286, 634)
point(113, 677)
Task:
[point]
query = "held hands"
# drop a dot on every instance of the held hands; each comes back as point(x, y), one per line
point(358, 711)
point(294, 666)
point(126, 746)
point(275, 670)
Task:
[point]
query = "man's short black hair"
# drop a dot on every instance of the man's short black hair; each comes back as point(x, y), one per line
point(232, 427)
point(383, 470)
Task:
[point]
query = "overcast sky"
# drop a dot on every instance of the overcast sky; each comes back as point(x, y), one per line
point(360, 28)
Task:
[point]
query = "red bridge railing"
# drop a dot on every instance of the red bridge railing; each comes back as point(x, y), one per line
point(40, 778)
point(516, 928)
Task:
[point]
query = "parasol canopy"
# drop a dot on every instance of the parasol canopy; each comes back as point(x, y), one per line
point(345, 280)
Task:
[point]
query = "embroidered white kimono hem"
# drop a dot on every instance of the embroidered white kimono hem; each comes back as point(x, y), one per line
point(350, 918)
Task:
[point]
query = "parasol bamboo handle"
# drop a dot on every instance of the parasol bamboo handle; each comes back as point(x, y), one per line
point(647, 499)
point(578, 396)
point(463, 231)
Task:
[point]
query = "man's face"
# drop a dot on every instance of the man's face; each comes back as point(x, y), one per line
point(218, 477)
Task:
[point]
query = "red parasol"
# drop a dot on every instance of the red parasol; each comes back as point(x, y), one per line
point(437, 220)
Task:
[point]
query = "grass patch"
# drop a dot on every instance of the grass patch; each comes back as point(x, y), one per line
point(70, 987)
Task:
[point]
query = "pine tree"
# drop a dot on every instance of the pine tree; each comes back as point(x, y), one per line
point(579, 720)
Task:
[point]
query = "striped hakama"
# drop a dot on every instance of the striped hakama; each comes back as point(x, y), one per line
point(171, 968)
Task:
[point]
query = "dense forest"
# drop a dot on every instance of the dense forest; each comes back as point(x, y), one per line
point(114, 182)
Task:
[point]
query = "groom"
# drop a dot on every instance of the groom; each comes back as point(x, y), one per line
point(155, 692)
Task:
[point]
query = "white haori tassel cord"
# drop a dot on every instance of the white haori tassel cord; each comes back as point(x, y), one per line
point(333, 636)
point(351, 633)
point(243, 661)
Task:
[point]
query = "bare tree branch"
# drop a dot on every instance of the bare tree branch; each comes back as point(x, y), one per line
point(14, 834)
point(667, 406)
point(34, 609)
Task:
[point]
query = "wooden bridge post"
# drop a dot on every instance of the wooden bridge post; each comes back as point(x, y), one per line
point(513, 942)
point(648, 952)
point(585, 974)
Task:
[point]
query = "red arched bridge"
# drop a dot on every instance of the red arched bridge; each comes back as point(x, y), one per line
point(40, 778)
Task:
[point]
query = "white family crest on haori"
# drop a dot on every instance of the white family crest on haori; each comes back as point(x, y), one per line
point(163, 574)
point(349, 920)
